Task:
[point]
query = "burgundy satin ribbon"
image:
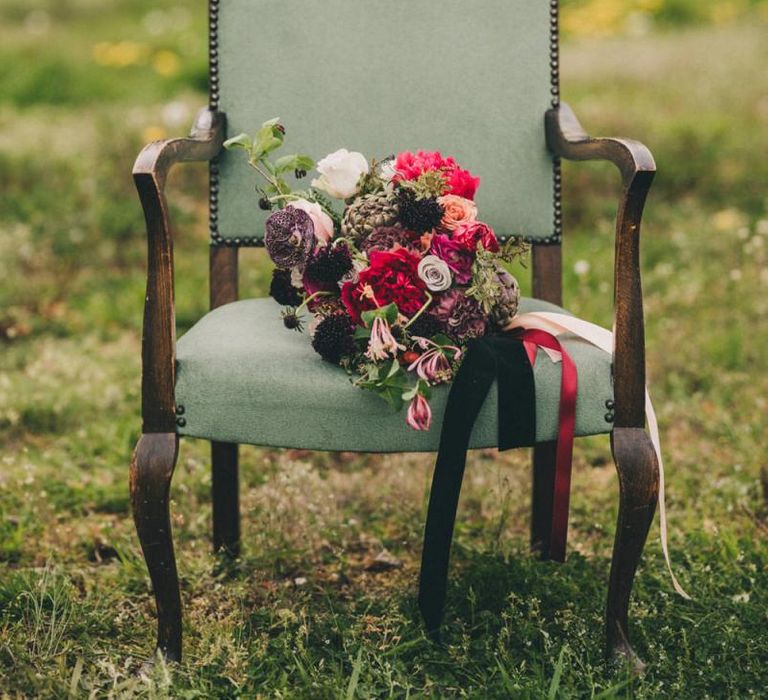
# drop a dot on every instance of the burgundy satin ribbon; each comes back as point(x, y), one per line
point(534, 339)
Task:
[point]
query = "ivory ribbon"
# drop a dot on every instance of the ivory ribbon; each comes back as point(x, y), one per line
point(557, 324)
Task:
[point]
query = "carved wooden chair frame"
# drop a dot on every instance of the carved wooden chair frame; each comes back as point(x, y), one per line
point(155, 456)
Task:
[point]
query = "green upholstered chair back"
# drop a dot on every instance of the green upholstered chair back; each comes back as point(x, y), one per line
point(471, 78)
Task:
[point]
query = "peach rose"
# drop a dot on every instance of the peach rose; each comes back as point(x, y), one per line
point(457, 211)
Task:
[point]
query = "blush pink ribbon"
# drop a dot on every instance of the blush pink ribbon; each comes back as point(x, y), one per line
point(554, 324)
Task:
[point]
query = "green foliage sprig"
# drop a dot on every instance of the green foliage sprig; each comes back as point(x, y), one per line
point(485, 288)
point(276, 190)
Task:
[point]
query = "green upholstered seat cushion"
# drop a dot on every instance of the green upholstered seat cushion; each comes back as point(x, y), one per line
point(471, 79)
point(242, 377)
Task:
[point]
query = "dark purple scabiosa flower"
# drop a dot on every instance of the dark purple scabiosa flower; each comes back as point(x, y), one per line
point(334, 338)
point(290, 237)
point(418, 214)
point(426, 326)
point(462, 316)
point(387, 237)
point(282, 290)
point(326, 267)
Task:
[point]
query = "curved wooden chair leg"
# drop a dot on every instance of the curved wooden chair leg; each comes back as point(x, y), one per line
point(543, 491)
point(638, 472)
point(151, 470)
point(225, 496)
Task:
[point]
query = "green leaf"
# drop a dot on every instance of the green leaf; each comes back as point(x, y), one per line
point(389, 313)
point(421, 387)
point(304, 162)
point(442, 340)
point(362, 333)
point(293, 162)
point(240, 141)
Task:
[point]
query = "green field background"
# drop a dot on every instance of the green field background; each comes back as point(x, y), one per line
point(83, 84)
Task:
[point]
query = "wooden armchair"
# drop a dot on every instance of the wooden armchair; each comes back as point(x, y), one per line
point(238, 377)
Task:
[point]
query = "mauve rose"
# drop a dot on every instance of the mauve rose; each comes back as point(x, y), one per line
point(458, 258)
point(435, 273)
point(468, 235)
point(322, 222)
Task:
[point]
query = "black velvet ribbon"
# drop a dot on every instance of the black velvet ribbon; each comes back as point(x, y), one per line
point(500, 357)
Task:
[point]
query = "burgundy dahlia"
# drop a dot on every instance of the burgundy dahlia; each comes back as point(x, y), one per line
point(461, 315)
point(290, 237)
point(388, 237)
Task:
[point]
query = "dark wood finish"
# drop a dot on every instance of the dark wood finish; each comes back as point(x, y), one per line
point(542, 497)
point(158, 350)
point(223, 269)
point(567, 139)
point(155, 455)
point(224, 456)
point(548, 273)
point(226, 498)
point(632, 449)
point(638, 472)
point(150, 479)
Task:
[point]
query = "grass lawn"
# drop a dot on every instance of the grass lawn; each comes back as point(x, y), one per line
point(303, 613)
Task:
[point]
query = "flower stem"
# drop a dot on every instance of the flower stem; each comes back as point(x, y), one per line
point(311, 297)
point(420, 311)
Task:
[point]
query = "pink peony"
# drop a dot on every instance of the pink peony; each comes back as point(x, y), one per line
point(470, 234)
point(408, 166)
point(462, 183)
point(458, 258)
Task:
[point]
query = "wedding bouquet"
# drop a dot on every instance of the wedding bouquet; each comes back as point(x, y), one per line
point(397, 282)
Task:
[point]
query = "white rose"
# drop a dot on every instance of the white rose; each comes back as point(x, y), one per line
point(435, 273)
point(339, 173)
point(322, 222)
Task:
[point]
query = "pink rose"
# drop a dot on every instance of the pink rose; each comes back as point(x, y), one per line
point(468, 235)
point(322, 222)
point(457, 210)
point(458, 258)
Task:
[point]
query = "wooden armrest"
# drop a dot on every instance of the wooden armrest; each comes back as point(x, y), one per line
point(566, 138)
point(158, 345)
